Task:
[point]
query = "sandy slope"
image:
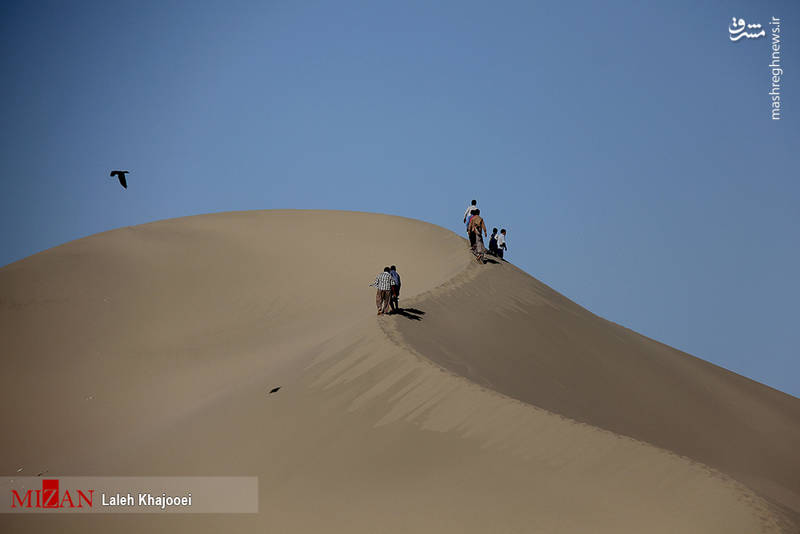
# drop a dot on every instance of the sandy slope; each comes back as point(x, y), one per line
point(149, 350)
point(517, 336)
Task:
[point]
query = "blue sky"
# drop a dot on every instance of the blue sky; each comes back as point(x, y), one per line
point(627, 147)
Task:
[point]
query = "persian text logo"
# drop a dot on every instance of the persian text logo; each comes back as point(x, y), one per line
point(48, 497)
point(737, 30)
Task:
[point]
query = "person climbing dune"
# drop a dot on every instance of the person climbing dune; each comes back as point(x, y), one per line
point(383, 283)
point(476, 226)
point(501, 243)
point(493, 243)
point(467, 217)
point(395, 300)
point(468, 213)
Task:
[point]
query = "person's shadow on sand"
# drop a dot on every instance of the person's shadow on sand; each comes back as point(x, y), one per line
point(409, 313)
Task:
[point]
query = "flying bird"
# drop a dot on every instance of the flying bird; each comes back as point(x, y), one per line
point(274, 390)
point(121, 176)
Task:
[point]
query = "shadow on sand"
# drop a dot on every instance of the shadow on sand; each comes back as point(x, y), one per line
point(409, 313)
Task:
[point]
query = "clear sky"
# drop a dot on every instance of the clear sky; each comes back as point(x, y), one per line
point(627, 147)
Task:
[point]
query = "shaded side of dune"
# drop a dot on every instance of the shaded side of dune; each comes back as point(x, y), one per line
point(507, 331)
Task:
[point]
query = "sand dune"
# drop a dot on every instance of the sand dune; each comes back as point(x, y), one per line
point(150, 350)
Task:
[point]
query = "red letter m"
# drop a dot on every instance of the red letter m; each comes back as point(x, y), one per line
point(20, 501)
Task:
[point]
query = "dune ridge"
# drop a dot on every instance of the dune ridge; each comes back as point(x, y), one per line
point(574, 363)
point(159, 344)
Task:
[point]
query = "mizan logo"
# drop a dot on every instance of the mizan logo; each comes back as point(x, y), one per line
point(50, 497)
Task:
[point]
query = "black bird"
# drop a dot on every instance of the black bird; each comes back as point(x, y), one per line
point(121, 176)
point(274, 390)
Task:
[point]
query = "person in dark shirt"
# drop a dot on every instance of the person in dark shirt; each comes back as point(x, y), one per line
point(395, 300)
point(493, 242)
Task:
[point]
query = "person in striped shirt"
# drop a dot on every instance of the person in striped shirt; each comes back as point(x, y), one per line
point(383, 283)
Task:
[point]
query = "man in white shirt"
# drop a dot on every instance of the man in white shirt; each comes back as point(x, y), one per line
point(467, 216)
point(501, 243)
point(471, 207)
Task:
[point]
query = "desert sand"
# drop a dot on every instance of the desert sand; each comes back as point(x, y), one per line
point(498, 405)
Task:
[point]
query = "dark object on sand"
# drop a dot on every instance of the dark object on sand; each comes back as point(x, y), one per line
point(121, 176)
point(274, 390)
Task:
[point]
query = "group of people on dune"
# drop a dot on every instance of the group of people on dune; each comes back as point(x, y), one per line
point(476, 230)
point(388, 285)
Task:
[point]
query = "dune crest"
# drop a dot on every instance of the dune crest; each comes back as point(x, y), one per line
point(535, 345)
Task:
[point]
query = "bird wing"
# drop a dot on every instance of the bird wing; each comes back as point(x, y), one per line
point(122, 181)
